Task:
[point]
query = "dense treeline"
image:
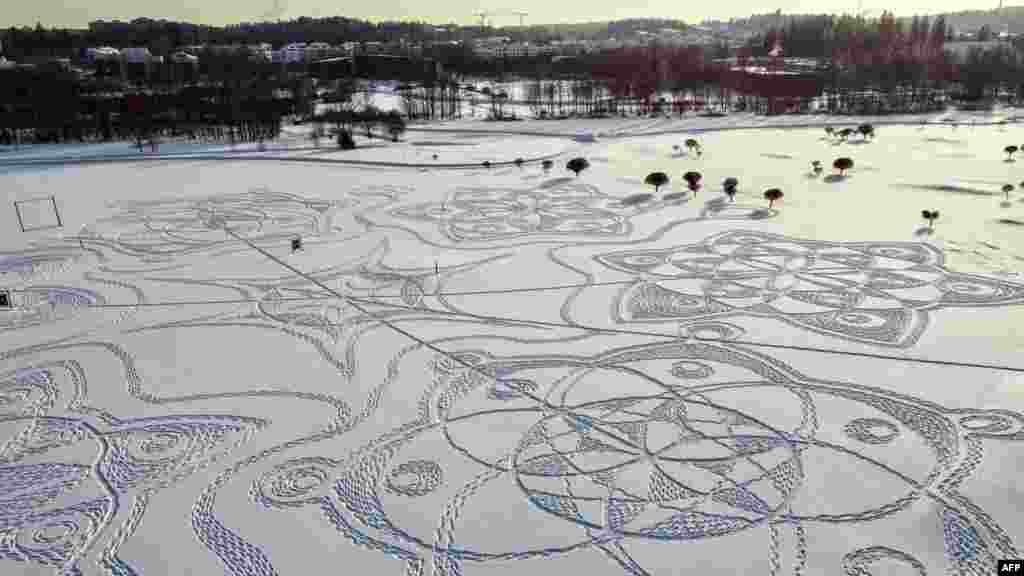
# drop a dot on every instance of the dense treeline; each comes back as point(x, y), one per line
point(162, 37)
point(860, 66)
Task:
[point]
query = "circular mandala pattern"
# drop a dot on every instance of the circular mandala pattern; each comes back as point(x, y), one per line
point(690, 369)
point(871, 430)
point(414, 478)
point(668, 442)
point(295, 483)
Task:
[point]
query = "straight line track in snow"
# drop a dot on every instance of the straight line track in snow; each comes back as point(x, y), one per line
point(355, 303)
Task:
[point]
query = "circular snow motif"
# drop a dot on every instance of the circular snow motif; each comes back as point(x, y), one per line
point(414, 478)
point(986, 423)
point(696, 501)
point(871, 430)
point(641, 260)
point(294, 483)
point(689, 369)
point(747, 239)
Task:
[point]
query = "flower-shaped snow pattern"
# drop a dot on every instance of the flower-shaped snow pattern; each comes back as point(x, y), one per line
point(74, 480)
point(732, 452)
point(565, 209)
point(164, 228)
point(877, 293)
point(131, 457)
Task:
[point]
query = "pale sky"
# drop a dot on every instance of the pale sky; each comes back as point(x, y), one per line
point(219, 12)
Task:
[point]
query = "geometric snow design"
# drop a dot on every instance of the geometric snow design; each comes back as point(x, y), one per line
point(877, 293)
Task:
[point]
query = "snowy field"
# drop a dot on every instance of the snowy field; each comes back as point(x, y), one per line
point(498, 371)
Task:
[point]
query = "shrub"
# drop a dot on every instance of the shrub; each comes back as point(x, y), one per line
point(843, 164)
point(729, 185)
point(656, 179)
point(577, 165)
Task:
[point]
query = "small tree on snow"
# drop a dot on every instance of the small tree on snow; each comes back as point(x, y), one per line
point(729, 185)
point(771, 195)
point(1010, 151)
point(931, 216)
point(866, 130)
point(519, 163)
point(577, 165)
point(692, 181)
point(816, 167)
point(656, 179)
point(547, 165)
point(1007, 188)
point(843, 164)
point(692, 144)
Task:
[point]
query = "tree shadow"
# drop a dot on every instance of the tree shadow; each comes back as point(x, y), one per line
point(1005, 204)
point(810, 176)
point(679, 197)
point(1009, 161)
point(858, 142)
point(833, 178)
point(923, 231)
point(555, 182)
point(715, 204)
point(763, 213)
point(636, 199)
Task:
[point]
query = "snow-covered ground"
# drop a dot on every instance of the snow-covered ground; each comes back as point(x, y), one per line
point(492, 371)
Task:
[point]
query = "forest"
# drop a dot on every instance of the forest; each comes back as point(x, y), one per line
point(856, 66)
